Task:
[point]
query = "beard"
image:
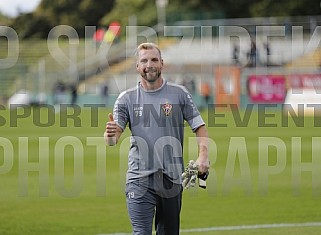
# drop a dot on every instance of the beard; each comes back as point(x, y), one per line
point(151, 74)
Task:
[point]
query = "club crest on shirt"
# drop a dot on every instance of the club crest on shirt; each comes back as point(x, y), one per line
point(167, 108)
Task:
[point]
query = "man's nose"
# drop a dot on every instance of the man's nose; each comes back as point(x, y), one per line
point(149, 64)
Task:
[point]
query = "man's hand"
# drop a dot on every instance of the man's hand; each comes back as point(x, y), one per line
point(191, 173)
point(111, 131)
point(203, 167)
point(203, 164)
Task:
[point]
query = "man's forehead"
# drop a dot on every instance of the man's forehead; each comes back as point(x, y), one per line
point(149, 53)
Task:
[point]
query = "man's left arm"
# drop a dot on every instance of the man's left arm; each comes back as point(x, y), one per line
point(202, 140)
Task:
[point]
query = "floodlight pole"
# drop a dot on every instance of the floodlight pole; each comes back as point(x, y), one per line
point(161, 13)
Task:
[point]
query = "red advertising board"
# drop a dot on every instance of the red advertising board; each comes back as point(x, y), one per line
point(267, 88)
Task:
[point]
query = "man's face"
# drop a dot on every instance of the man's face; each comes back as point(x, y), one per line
point(149, 64)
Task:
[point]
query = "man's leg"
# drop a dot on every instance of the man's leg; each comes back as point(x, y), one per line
point(168, 207)
point(141, 204)
point(167, 219)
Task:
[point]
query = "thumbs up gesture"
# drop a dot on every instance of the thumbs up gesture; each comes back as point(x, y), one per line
point(111, 117)
point(111, 131)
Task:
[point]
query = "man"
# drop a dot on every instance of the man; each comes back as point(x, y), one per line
point(155, 111)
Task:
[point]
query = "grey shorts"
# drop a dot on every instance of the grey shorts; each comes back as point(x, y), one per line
point(156, 192)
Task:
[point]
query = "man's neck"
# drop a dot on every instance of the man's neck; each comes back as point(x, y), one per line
point(150, 86)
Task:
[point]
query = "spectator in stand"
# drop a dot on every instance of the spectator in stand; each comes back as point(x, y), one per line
point(74, 94)
point(104, 94)
point(253, 55)
point(236, 54)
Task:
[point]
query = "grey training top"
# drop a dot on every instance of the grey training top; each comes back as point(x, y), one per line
point(156, 120)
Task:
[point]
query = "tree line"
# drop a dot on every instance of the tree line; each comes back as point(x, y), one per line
point(81, 13)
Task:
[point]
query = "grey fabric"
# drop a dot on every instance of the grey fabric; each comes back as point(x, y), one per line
point(156, 120)
point(157, 191)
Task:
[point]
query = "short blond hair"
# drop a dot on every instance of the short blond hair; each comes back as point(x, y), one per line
point(148, 46)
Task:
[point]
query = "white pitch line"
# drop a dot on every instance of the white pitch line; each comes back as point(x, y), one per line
point(241, 227)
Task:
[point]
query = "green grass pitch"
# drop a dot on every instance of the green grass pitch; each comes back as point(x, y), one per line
point(63, 180)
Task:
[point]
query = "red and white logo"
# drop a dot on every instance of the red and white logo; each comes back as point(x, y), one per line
point(167, 108)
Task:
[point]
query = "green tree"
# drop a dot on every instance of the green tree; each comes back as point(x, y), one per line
point(285, 8)
point(80, 13)
point(4, 20)
point(75, 13)
point(143, 10)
